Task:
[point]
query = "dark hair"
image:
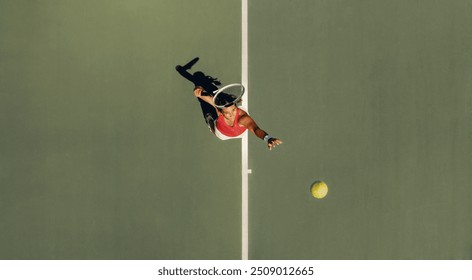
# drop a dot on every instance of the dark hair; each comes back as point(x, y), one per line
point(224, 100)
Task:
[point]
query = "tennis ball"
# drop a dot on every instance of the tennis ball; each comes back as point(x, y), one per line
point(319, 189)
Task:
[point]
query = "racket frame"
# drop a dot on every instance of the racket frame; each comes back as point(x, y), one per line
point(218, 91)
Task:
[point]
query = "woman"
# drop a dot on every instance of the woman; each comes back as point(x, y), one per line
point(232, 121)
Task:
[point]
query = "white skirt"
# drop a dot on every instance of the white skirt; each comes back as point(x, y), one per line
point(224, 137)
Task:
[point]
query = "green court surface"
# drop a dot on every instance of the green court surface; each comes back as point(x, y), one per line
point(104, 153)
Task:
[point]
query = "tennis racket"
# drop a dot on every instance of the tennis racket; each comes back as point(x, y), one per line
point(228, 95)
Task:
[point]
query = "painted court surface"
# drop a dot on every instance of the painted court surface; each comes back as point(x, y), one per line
point(104, 153)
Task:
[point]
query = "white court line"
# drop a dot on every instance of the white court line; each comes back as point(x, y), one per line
point(244, 142)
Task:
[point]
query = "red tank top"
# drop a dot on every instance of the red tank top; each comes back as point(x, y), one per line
point(230, 131)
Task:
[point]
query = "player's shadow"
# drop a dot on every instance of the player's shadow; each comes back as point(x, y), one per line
point(198, 78)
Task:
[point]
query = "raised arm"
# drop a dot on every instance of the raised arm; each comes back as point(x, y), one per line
point(251, 125)
point(208, 99)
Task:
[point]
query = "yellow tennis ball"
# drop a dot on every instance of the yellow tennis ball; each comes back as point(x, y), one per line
point(319, 189)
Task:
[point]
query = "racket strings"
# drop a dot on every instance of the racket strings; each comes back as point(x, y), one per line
point(229, 95)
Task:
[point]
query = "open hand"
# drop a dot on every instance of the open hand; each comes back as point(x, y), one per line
point(273, 142)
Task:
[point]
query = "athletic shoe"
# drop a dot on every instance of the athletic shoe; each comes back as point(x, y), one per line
point(210, 122)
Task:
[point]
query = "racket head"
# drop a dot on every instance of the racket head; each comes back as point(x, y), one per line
point(228, 95)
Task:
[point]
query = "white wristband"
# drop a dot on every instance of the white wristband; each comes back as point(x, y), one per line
point(266, 138)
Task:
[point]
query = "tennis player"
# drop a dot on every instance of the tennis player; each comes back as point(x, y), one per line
point(232, 121)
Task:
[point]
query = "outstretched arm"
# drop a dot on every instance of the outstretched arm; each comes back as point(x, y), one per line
point(251, 125)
